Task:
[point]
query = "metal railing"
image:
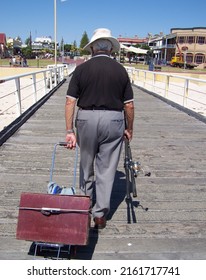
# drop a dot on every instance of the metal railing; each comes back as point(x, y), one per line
point(186, 91)
point(20, 92)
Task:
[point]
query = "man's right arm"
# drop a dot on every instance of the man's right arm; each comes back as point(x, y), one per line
point(129, 119)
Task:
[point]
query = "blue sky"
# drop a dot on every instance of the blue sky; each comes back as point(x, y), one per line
point(124, 17)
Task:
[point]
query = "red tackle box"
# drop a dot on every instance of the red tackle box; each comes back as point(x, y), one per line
point(61, 219)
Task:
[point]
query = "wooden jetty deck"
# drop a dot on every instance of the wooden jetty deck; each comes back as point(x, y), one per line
point(168, 142)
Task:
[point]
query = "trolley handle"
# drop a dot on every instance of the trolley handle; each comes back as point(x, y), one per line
point(63, 144)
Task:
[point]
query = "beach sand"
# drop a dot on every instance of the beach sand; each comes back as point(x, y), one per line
point(13, 71)
point(8, 99)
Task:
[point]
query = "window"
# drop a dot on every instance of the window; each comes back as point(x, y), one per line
point(199, 58)
point(191, 39)
point(200, 40)
point(181, 40)
point(189, 58)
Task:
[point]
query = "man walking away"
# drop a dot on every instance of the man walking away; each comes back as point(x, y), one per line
point(103, 92)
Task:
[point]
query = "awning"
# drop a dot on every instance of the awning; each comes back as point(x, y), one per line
point(137, 50)
point(133, 49)
point(124, 47)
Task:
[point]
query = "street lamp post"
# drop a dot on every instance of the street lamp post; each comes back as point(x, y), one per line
point(55, 33)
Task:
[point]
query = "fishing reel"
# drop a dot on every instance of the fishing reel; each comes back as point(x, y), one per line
point(135, 167)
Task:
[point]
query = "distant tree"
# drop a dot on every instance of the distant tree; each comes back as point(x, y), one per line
point(28, 41)
point(73, 49)
point(84, 41)
point(62, 45)
point(67, 47)
point(74, 46)
point(27, 52)
point(145, 47)
point(137, 46)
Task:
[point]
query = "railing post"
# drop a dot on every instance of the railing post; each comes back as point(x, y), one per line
point(133, 75)
point(34, 87)
point(55, 76)
point(137, 76)
point(153, 80)
point(59, 71)
point(18, 96)
point(144, 82)
point(51, 79)
point(167, 86)
point(45, 85)
point(186, 86)
point(62, 73)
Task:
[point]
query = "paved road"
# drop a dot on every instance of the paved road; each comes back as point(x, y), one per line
point(169, 143)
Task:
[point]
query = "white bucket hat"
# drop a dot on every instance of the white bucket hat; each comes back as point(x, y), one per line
point(103, 33)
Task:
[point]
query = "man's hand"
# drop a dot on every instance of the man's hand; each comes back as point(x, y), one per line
point(71, 141)
point(128, 133)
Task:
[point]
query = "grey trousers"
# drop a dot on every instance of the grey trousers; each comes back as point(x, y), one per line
point(100, 137)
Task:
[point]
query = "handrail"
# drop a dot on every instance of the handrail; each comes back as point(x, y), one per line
point(28, 88)
point(188, 92)
point(19, 92)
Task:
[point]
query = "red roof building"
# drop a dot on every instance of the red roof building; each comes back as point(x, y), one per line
point(2, 45)
point(132, 41)
point(3, 38)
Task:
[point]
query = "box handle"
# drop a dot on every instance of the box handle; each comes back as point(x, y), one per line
point(49, 211)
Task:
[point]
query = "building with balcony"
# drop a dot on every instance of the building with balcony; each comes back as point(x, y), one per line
point(15, 45)
point(42, 43)
point(44, 40)
point(190, 42)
